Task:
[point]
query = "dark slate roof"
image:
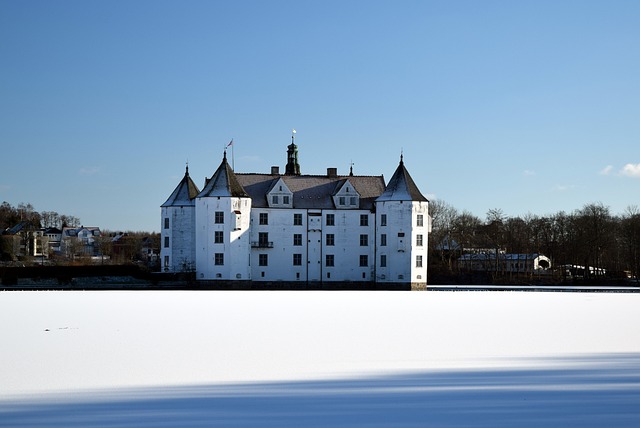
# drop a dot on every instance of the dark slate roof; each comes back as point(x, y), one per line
point(16, 229)
point(223, 183)
point(401, 187)
point(184, 194)
point(311, 191)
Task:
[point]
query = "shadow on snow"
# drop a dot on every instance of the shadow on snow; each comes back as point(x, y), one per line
point(586, 392)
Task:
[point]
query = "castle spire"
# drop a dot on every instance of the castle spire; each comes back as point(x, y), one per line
point(293, 167)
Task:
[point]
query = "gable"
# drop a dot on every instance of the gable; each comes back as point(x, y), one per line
point(347, 197)
point(280, 196)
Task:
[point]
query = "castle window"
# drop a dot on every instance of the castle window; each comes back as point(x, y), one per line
point(218, 237)
point(274, 199)
point(329, 260)
point(263, 239)
point(330, 239)
point(263, 259)
point(219, 217)
point(353, 200)
point(218, 259)
point(383, 219)
point(297, 219)
point(264, 218)
point(297, 259)
point(341, 200)
point(383, 240)
point(166, 223)
point(364, 220)
point(166, 242)
point(285, 199)
point(297, 239)
point(383, 260)
point(364, 240)
point(418, 261)
point(331, 220)
point(419, 240)
point(364, 260)
point(420, 220)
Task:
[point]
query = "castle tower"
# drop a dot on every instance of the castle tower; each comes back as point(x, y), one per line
point(223, 212)
point(293, 167)
point(403, 223)
point(178, 214)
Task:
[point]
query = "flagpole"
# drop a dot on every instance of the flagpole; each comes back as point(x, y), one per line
point(233, 161)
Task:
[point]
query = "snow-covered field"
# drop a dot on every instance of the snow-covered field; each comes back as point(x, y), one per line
point(318, 358)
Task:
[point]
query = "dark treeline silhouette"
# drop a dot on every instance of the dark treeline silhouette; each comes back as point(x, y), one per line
point(10, 216)
point(589, 236)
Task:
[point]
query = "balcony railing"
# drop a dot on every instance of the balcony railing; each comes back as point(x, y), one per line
point(262, 244)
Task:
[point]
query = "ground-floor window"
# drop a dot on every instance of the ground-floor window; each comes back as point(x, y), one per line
point(218, 259)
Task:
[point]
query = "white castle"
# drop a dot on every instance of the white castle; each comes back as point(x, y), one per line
point(318, 230)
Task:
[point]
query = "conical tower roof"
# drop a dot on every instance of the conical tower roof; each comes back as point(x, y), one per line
point(184, 194)
point(224, 183)
point(401, 187)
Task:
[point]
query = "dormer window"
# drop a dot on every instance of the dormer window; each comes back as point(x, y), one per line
point(279, 196)
point(346, 197)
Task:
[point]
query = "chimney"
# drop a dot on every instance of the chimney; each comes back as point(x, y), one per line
point(275, 170)
point(332, 172)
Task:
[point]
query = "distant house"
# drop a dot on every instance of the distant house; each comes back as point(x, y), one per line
point(577, 271)
point(79, 241)
point(150, 251)
point(503, 262)
point(24, 240)
point(54, 238)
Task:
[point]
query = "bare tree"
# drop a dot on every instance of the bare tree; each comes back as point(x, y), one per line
point(630, 240)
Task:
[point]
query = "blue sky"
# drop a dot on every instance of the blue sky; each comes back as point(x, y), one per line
point(531, 107)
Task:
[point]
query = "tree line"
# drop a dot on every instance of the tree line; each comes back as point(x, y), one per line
point(11, 216)
point(589, 236)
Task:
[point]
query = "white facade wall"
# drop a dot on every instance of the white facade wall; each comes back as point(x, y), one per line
point(401, 250)
point(279, 247)
point(178, 253)
point(419, 273)
point(348, 249)
point(235, 247)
